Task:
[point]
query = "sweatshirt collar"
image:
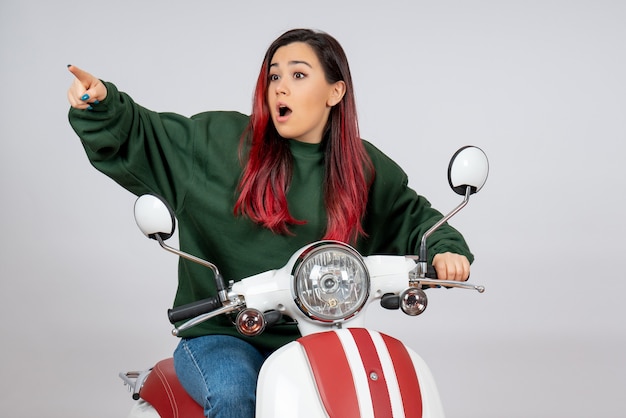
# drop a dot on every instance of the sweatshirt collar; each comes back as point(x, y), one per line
point(305, 149)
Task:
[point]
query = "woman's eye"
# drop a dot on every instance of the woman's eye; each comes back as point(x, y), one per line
point(273, 77)
point(299, 75)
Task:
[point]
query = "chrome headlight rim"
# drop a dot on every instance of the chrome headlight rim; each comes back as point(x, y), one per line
point(314, 250)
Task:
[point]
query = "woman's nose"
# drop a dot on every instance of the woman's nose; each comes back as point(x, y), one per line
point(281, 88)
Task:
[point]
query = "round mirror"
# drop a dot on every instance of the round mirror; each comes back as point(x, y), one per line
point(154, 217)
point(468, 167)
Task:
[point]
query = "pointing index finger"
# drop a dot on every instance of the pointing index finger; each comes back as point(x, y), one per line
point(83, 76)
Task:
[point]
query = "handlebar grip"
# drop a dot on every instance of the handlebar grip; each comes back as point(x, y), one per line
point(431, 273)
point(193, 309)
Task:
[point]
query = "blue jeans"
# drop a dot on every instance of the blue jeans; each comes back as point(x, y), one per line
point(220, 373)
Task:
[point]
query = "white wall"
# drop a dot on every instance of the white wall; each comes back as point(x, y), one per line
point(539, 85)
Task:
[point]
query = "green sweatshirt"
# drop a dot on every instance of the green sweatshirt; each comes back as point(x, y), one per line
point(194, 164)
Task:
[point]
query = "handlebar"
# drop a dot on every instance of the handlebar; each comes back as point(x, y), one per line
point(193, 309)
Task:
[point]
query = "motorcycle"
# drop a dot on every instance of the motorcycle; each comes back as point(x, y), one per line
point(338, 368)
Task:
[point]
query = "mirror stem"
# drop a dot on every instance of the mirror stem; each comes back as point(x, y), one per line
point(219, 280)
point(423, 254)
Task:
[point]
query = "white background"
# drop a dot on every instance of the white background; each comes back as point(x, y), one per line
point(539, 85)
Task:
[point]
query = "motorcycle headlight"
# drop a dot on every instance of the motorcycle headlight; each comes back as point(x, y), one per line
point(330, 281)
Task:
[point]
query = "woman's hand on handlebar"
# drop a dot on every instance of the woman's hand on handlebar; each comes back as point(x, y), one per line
point(85, 90)
point(450, 266)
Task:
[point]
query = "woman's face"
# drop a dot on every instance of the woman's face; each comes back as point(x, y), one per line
point(298, 95)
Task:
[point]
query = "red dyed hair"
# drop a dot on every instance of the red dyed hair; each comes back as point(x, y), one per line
point(267, 172)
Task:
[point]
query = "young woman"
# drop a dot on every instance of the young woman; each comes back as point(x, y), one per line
point(248, 191)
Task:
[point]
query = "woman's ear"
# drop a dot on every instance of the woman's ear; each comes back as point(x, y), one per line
point(337, 91)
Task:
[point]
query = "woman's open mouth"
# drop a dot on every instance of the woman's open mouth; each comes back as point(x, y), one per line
point(283, 113)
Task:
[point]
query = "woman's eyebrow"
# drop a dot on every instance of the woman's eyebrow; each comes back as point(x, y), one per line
point(293, 62)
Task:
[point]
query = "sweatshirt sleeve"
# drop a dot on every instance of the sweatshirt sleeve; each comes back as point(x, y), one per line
point(142, 150)
point(398, 217)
